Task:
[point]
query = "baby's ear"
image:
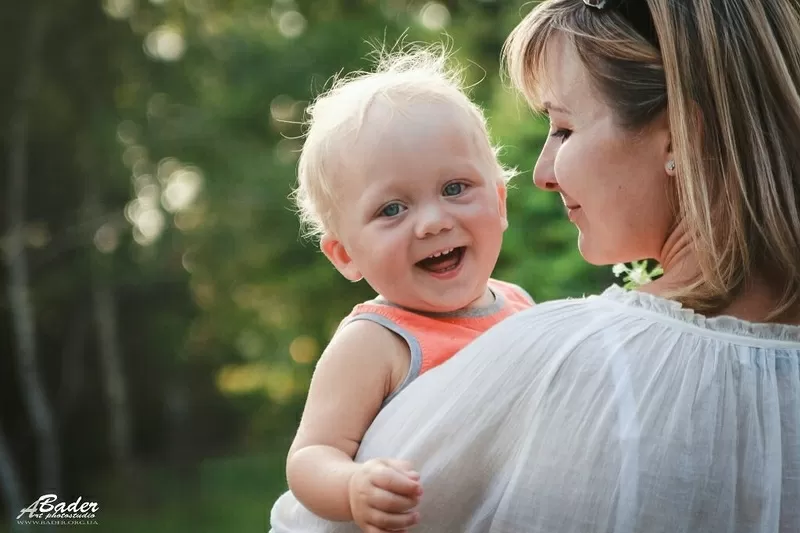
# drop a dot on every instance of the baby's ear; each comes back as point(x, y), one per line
point(502, 194)
point(336, 253)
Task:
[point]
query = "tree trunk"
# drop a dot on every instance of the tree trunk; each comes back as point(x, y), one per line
point(12, 488)
point(22, 310)
point(112, 371)
point(73, 364)
point(113, 374)
point(176, 404)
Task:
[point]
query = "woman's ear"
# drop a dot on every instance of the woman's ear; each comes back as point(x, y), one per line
point(661, 126)
point(670, 165)
point(337, 254)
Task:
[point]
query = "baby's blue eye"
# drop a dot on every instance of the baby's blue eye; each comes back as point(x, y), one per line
point(391, 210)
point(454, 189)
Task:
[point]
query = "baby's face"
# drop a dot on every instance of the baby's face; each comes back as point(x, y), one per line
point(423, 212)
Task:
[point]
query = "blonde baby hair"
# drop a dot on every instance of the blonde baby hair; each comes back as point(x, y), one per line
point(404, 76)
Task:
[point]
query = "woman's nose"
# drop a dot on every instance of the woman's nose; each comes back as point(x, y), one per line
point(544, 175)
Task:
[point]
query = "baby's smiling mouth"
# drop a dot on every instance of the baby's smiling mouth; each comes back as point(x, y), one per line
point(443, 261)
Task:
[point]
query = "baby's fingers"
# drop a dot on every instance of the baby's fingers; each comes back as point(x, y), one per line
point(401, 465)
point(388, 502)
point(379, 522)
point(397, 482)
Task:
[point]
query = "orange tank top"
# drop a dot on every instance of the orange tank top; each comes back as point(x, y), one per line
point(433, 338)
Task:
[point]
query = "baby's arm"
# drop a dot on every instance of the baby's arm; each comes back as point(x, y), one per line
point(360, 367)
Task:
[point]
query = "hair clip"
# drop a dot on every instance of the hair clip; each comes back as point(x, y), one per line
point(602, 5)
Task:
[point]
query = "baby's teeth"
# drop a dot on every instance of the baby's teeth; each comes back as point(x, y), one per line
point(437, 254)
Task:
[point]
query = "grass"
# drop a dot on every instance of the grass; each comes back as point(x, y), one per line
point(231, 494)
point(220, 496)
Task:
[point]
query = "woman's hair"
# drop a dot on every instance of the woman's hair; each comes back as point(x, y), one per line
point(728, 73)
point(412, 75)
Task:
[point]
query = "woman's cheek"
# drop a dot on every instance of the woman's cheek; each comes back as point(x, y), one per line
point(562, 167)
point(573, 166)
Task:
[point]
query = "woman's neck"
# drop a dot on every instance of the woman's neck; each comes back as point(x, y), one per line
point(756, 300)
point(678, 261)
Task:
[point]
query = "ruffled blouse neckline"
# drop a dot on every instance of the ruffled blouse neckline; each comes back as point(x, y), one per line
point(722, 324)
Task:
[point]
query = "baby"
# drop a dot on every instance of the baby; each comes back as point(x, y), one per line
point(401, 183)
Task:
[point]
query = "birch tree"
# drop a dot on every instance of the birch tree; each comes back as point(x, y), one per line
point(20, 300)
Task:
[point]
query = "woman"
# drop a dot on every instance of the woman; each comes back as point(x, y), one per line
point(675, 135)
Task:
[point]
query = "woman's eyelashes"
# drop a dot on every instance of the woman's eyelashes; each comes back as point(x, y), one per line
point(561, 133)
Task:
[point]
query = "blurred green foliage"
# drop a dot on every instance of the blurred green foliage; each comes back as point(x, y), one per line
point(161, 145)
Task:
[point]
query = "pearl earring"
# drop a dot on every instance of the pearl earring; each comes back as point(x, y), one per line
point(670, 166)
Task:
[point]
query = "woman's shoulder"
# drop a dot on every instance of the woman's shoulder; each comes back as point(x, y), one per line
point(630, 312)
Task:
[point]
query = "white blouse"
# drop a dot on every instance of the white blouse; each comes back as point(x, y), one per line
point(618, 413)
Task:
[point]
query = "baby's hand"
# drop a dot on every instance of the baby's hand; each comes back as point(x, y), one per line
point(382, 494)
